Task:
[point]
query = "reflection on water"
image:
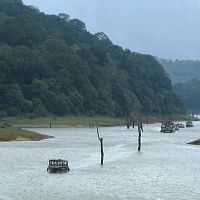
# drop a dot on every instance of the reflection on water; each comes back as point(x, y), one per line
point(167, 168)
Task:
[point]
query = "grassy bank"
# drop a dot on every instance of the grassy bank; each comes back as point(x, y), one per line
point(16, 134)
point(75, 121)
point(66, 121)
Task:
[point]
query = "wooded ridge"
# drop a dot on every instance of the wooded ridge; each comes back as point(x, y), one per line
point(52, 64)
point(185, 75)
point(181, 71)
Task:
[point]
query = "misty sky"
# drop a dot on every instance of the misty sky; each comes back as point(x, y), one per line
point(163, 28)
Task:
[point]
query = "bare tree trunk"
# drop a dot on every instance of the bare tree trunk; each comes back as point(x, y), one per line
point(128, 123)
point(140, 130)
point(133, 121)
point(133, 124)
point(102, 153)
point(101, 141)
point(141, 127)
point(139, 137)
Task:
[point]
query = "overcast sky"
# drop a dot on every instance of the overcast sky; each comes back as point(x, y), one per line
point(163, 28)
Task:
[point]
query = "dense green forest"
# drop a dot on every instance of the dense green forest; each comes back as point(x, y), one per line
point(181, 71)
point(52, 64)
point(190, 92)
point(185, 76)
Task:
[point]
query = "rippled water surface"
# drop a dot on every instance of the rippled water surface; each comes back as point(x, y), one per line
point(166, 169)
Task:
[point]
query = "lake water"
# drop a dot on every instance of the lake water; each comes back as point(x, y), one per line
point(166, 169)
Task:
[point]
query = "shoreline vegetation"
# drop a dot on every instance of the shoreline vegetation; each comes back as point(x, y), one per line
point(11, 127)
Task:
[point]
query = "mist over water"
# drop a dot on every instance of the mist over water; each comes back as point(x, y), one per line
point(167, 167)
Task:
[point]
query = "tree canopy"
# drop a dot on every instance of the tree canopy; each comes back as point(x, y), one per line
point(181, 71)
point(185, 75)
point(52, 64)
point(190, 93)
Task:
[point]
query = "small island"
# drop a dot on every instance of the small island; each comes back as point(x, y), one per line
point(17, 134)
point(196, 142)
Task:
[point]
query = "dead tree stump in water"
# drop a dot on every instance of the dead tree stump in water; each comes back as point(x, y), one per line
point(147, 119)
point(133, 120)
point(128, 123)
point(133, 124)
point(136, 119)
point(139, 137)
point(140, 130)
point(101, 142)
point(141, 127)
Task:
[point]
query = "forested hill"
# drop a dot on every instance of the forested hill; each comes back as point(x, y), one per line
point(185, 76)
point(190, 93)
point(181, 71)
point(52, 64)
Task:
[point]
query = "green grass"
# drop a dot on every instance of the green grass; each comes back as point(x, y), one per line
point(67, 120)
point(8, 134)
point(28, 121)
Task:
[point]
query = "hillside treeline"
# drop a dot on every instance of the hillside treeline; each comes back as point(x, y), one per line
point(181, 71)
point(190, 93)
point(52, 64)
point(185, 75)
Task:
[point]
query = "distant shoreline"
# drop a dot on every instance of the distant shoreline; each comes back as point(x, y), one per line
point(64, 126)
point(14, 128)
point(84, 121)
